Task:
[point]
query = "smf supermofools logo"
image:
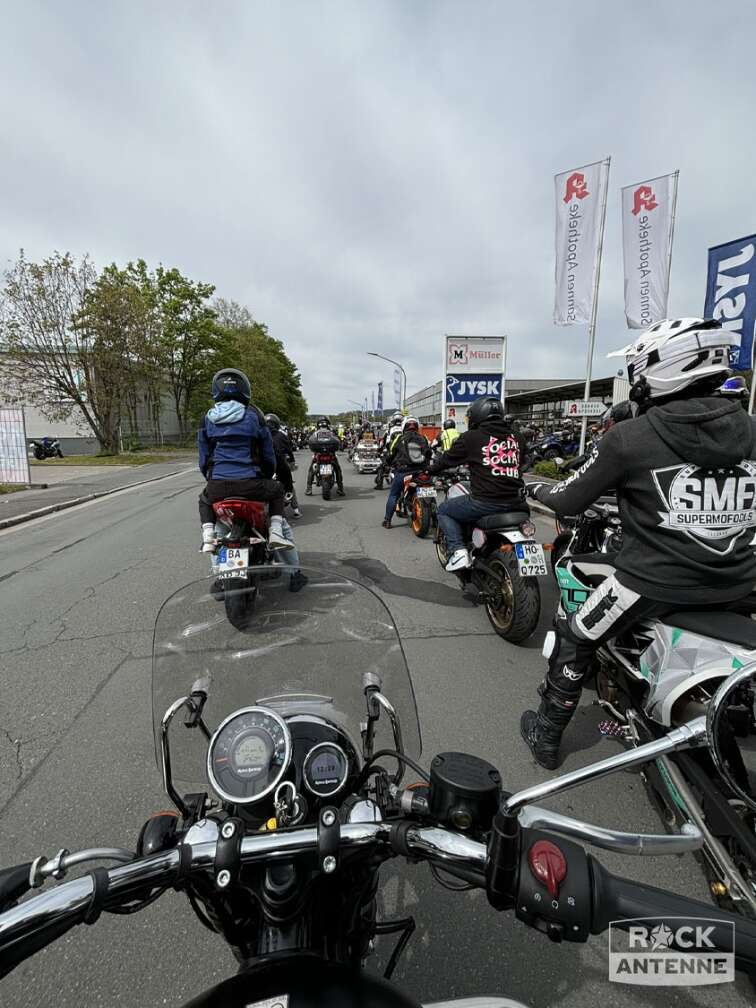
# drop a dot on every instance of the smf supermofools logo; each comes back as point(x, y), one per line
point(575, 187)
point(672, 952)
point(712, 506)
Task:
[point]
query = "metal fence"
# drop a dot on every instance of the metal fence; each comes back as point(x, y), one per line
point(14, 457)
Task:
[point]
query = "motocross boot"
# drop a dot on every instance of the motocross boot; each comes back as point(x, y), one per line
point(543, 731)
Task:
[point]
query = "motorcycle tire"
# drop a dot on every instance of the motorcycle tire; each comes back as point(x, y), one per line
point(517, 617)
point(550, 454)
point(239, 599)
point(39, 454)
point(422, 517)
point(60, 453)
point(442, 551)
point(327, 486)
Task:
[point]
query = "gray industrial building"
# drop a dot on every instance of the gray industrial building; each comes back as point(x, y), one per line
point(538, 400)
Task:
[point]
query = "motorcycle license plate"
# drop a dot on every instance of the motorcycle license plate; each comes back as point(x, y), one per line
point(530, 559)
point(231, 559)
point(426, 492)
point(326, 470)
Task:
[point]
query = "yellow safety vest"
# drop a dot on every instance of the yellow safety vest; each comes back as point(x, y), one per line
point(448, 437)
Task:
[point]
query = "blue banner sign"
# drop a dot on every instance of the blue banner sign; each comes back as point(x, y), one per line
point(731, 295)
point(466, 388)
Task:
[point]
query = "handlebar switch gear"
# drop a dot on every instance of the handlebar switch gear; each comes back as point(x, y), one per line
point(554, 890)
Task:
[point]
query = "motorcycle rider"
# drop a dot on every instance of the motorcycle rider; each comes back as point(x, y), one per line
point(447, 437)
point(324, 424)
point(408, 454)
point(494, 453)
point(393, 433)
point(284, 455)
point(685, 478)
point(236, 457)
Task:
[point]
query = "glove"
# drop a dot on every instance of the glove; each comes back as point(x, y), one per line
point(531, 490)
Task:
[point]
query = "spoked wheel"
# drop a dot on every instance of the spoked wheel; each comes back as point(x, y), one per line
point(422, 517)
point(514, 603)
point(239, 598)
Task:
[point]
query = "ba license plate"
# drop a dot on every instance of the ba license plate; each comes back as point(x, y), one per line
point(326, 470)
point(426, 492)
point(232, 559)
point(530, 559)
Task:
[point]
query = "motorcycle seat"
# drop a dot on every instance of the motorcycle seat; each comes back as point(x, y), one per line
point(502, 520)
point(724, 626)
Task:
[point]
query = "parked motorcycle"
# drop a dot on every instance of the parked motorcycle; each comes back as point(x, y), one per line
point(286, 811)
point(656, 676)
point(506, 565)
point(562, 444)
point(418, 503)
point(45, 448)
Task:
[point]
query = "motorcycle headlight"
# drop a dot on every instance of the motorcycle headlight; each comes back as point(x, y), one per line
point(528, 529)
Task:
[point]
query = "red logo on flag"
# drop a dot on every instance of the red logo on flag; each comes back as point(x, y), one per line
point(644, 199)
point(576, 187)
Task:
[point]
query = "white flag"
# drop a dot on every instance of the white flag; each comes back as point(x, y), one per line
point(580, 196)
point(648, 211)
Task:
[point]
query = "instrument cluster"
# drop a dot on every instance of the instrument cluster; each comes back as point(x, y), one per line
point(255, 749)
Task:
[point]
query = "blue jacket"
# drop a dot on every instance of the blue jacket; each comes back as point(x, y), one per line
point(234, 443)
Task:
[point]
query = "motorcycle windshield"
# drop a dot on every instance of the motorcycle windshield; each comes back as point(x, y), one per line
point(299, 652)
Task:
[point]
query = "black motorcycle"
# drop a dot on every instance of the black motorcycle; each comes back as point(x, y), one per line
point(288, 781)
point(45, 448)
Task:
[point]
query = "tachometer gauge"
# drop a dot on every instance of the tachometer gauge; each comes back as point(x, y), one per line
point(325, 769)
point(248, 755)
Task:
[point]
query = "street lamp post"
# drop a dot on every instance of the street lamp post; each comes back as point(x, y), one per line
point(371, 353)
point(361, 406)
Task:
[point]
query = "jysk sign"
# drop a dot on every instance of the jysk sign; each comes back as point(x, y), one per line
point(473, 367)
point(731, 295)
point(466, 388)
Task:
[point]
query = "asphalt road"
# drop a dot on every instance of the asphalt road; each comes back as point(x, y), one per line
point(79, 592)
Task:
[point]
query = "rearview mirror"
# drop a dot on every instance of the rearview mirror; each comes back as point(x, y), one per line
point(731, 732)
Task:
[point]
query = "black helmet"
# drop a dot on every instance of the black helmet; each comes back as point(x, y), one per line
point(272, 421)
point(485, 408)
point(449, 425)
point(231, 384)
point(324, 422)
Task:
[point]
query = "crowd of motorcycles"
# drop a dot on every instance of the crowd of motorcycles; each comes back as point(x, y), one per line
point(287, 739)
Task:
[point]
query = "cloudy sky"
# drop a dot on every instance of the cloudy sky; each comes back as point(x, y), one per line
point(369, 174)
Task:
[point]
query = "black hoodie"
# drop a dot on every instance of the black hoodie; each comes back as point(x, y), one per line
point(685, 475)
point(494, 453)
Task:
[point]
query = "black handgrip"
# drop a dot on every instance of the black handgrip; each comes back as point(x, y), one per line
point(617, 899)
point(14, 882)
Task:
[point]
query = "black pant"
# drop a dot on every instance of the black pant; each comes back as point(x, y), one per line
point(336, 472)
point(283, 472)
point(270, 491)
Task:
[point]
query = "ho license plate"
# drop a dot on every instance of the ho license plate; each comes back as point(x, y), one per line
point(530, 559)
point(231, 559)
point(326, 470)
point(426, 492)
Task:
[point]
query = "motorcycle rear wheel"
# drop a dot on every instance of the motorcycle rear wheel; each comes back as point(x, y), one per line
point(422, 517)
point(441, 549)
point(516, 615)
point(239, 600)
point(327, 486)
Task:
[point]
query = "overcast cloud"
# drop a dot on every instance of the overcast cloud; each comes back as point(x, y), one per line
point(368, 175)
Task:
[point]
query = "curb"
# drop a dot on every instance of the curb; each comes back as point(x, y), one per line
point(64, 505)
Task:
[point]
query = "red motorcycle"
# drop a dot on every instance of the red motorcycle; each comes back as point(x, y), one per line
point(323, 463)
point(242, 542)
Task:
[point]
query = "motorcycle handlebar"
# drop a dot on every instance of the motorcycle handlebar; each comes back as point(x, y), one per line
point(31, 925)
point(623, 903)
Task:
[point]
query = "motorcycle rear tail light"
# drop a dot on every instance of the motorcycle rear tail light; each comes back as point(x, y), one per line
point(478, 538)
point(528, 529)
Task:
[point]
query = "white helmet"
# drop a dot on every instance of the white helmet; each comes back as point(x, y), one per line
point(674, 354)
point(411, 420)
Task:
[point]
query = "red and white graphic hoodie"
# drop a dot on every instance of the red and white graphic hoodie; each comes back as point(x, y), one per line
point(494, 453)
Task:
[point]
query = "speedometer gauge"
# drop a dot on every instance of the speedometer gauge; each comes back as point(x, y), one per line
point(325, 769)
point(248, 755)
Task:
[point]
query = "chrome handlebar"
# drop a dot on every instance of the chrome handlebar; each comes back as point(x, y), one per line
point(128, 881)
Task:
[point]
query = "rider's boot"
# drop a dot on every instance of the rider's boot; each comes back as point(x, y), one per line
point(208, 537)
point(543, 731)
